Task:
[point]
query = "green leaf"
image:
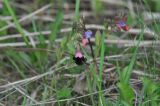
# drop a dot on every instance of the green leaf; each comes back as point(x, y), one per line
point(77, 15)
point(130, 20)
point(63, 93)
point(63, 42)
point(3, 23)
point(41, 39)
point(45, 93)
point(97, 6)
point(24, 101)
point(127, 71)
point(98, 37)
point(102, 55)
point(126, 93)
point(149, 86)
point(56, 27)
point(151, 92)
point(16, 22)
point(125, 75)
point(13, 63)
point(25, 57)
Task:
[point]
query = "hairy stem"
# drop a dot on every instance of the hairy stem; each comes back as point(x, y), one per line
point(93, 56)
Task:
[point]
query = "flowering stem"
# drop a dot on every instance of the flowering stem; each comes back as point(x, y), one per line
point(93, 56)
point(92, 52)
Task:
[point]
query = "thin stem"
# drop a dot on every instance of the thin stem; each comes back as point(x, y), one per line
point(93, 56)
point(91, 47)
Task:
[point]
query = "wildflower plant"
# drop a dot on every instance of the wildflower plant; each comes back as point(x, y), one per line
point(103, 64)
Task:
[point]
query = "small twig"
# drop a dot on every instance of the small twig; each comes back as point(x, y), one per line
point(136, 98)
point(141, 73)
point(30, 38)
point(151, 16)
point(72, 75)
point(109, 69)
point(20, 6)
point(82, 104)
point(115, 2)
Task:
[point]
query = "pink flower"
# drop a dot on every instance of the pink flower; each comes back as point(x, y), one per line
point(79, 58)
point(84, 41)
point(78, 54)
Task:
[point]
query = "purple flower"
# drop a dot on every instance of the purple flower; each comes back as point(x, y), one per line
point(121, 23)
point(88, 34)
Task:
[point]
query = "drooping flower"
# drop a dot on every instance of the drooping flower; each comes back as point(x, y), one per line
point(78, 54)
point(79, 58)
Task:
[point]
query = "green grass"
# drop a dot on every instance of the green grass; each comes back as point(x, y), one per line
point(18, 26)
point(77, 15)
